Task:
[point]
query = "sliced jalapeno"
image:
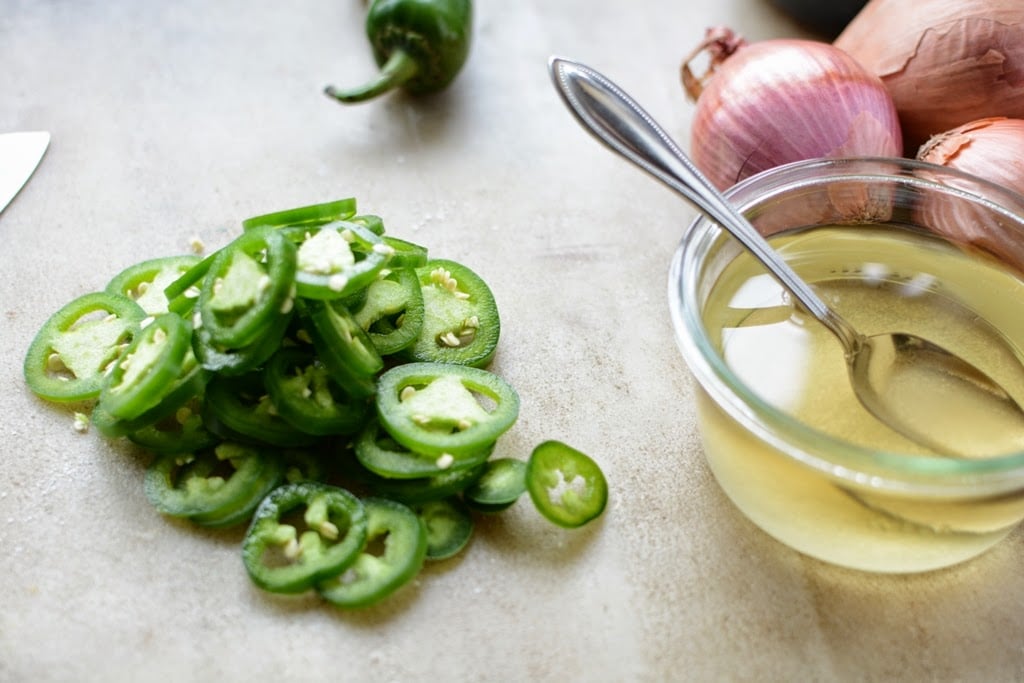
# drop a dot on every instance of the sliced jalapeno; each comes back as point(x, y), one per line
point(68, 357)
point(146, 281)
point(190, 383)
point(249, 286)
point(498, 487)
point(461, 323)
point(382, 455)
point(566, 486)
point(220, 486)
point(312, 215)
point(337, 259)
point(306, 396)
point(376, 574)
point(424, 489)
point(437, 408)
point(449, 526)
point(302, 534)
point(148, 369)
point(392, 314)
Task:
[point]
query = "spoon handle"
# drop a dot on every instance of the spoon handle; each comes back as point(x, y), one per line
point(620, 123)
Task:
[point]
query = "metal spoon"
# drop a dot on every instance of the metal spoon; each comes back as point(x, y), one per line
point(875, 363)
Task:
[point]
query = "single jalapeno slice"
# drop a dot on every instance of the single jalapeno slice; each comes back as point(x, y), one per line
point(215, 487)
point(314, 214)
point(302, 534)
point(182, 293)
point(243, 406)
point(249, 287)
point(190, 383)
point(146, 281)
point(460, 320)
point(437, 408)
point(336, 260)
point(342, 346)
point(566, 486)
point(379, 453)
point(498, 487)
point(306, 396)
point(377, 573)
point(449, 526)
point(148, 369)
point(392, 313)
point(70, 353)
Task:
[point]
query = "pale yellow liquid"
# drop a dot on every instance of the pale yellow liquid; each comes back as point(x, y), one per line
point(881, 280)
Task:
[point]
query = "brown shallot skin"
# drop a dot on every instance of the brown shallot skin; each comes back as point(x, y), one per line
point(944, 61)
point(772, 102)
point(991, 149)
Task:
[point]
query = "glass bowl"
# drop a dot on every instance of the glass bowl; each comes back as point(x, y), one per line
point(893, 245)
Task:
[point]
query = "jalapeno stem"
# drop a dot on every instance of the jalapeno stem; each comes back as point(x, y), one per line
point(398, 69)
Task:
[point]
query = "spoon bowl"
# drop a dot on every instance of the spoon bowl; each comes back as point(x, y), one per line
point(889, 371)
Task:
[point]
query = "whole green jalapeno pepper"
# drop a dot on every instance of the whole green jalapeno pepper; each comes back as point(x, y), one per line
point(420, 46)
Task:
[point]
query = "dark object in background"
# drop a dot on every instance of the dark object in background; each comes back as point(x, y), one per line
point(828, 17)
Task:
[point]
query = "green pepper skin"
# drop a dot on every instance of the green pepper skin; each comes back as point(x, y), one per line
point(420, 45)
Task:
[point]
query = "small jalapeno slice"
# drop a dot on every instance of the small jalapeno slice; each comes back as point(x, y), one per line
point(437, 408)
point(303, 534)
point(498, 487)
point(146, 281)
point(379, 572)
point(379, 453)
point(423, 489)
point(449, 526)
point(189, 384)
point(148, 369)
point(337, 259)
point(70, 353)
point(460, 321)
point(218, 486)
point(306, 396)
point(249, 287)
point(312, 215)
point(392, 313)
point(566, 486)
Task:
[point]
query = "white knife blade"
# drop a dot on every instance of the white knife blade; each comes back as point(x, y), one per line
point(20, 154)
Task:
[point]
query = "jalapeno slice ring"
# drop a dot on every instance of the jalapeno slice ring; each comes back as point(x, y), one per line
point(285, 552)
point(437, 408)
point(392, 313)
point(148, 369)
point(460, 320)
point(566, 486)
point(68, 357)
point(374, 576)
point(312, 215)
point(249, 286)
point(337, 259)
point(218, 486)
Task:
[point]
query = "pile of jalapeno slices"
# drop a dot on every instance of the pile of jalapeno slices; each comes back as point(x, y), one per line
point(321, 382)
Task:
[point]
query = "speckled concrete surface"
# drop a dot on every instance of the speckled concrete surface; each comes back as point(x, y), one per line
point(174, 120)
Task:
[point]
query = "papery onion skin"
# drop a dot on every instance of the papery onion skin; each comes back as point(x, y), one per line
point(944, 61)
point(992, 149)
point(776, 101)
